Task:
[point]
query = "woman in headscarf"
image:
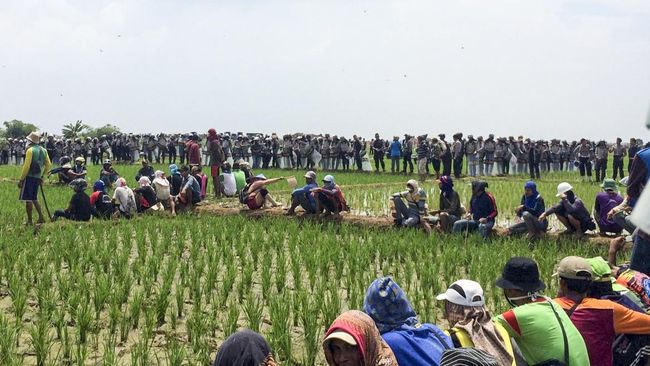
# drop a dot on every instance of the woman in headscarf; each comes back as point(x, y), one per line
point(482, 211)
point(353, 340)
point(145, 194)
point(531, 207)
point(163, 194)
point(79, 208)
point(412, 343)
point(450, 209)
point(409, 214)
point(175, 180)
point(100, 202)
point(471, 324)
point(244, 348)
point(124, 197)
point(329, 197)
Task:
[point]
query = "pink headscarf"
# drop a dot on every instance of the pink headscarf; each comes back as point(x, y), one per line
point(212, 134)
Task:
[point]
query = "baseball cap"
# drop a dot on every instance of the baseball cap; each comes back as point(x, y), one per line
point(464, 292)
point(342, 336)
point(574, 268)
point(600, 269)
point(311, 175)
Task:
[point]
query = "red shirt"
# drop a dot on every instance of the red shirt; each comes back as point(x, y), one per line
point(194, 154)
point(94, 197)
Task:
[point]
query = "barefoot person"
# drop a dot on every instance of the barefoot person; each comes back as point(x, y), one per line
point(531, 207)
point(330, 197)
point(255, 195)
point(37, 162)
point(570, 211)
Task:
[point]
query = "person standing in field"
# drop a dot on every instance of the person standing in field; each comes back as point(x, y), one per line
point(422, 153)
point(445, 155)
point(216, 159)
point(378, 153)
point(472, 158)
point(194, 151)
point(36, 164)
point(407, 153)
point(457, 153)
point(601, 153)
point(395, 155)
point(619, 153)
point(584, 156)
point(631, 153)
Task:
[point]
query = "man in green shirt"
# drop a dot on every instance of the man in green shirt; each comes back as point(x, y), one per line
point(541, 328)
point(37, 162)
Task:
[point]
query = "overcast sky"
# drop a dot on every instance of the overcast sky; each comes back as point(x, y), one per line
point(536, 68)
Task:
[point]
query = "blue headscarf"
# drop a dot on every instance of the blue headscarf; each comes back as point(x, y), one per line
point(99, 186)
point(173, 169)
point(531, 201)
point(387, 305)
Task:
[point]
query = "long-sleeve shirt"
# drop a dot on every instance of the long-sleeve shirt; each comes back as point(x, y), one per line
point(216, 153)
point(483, 206)
point(422, 151)
point(451, 204)
point(306, 190)
point(577, 209)
point(537, 210)
point(395, 149)
point(638, 176)
point(194, 154)
point(42, 162)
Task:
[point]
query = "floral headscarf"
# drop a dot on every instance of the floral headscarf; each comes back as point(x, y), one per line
point(388, 306)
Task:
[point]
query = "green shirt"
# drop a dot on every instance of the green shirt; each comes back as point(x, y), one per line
point(240, 179)
point(537, 331)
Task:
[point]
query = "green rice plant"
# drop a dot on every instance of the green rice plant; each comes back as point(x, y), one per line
point(246, 279)
point(253, 310)
point(80, 354)
point(83, 321)
point(266, 275)
point(311, 329)
point(58, 320)
point(280, 271)
point(179, 295)
point(175, 352)
point(114, 316)
point(45, 293)
point(109, 357)
point(135, 308)
point(228, 281)
point(8, 342)
point(101, 292)
point(232, 316)
point(280, 336)
point(161, 303)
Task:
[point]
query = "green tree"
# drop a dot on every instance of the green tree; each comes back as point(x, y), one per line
point(106, 129)
point(18, 129)
point(74, 130)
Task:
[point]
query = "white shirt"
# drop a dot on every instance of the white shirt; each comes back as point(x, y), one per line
point(122, 196)
point(229, 184)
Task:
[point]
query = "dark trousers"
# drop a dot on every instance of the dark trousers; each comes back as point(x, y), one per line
point(446, 165)
point(458, 167)
point(601, 168)
point(534, 170)
point(379, 160)
point(617, 167)
point(357, 160)
point(505, 166)
point(408, 160)
point(436, 165)
point(584, 166)
point(172, 156)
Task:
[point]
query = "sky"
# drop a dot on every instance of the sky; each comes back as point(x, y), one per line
point(541, 69)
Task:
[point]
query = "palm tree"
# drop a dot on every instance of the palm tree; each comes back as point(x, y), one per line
point(73, 130)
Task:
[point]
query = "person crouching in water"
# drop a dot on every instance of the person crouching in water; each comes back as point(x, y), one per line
point(79, 208)
point(302, 196)
point(255, 195)
point(163, 193)
point(450, 209)
point(100, 201)
point(531, 207)
point(482, 211)
point(571, 212)
point(330, 197)
point(410, 214)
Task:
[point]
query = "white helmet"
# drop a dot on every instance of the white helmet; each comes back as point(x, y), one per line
point(563, 188)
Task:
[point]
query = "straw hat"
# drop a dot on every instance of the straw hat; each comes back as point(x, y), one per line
point(34, 137)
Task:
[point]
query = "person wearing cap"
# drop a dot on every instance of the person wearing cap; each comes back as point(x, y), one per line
point(409, 214)
point(621, 213)
point(571, 212)
point(457, 154)
point(412, 343)
point(255, 195)
point(450, 210)
point(470, 323)
point(471, 149)
point(108, 174)
point(599, 321)
point(79, 168)
point(302, 196)
point(100, 202)
point(377, 148)
point(482, 211)
point(605, 202)
point(529, 210)
point(467, 357)
point(79, 208)
point(354, 340)
point(330, 197)
point(539, 326)
point(64, 173)
point(604, 286)
point(395, 155)
point(36, 164)
point(145, 171)
point(244, 348)
point(601, 152)
point(584, 155)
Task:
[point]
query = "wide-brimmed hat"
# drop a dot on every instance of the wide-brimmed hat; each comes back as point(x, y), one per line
point(34, 137)
point(609, 185)
point(521, 273)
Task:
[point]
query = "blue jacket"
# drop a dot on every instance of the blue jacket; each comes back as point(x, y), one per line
point(307, 191)
point(539, 208)
point(395, 149)
point(420, 345)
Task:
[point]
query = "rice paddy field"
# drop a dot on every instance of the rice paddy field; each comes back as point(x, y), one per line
point(162, 290)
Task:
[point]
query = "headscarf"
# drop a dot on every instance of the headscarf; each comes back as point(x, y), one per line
point(446, 185)
point(244, 348)
point(144, 181)
point(78, 185)
point(468, 357)
point(99, 186)
point(159, 180)
point(121, 182)
point(373, 349)
point(530, 201)
point(387, 305)
point(212, 134)
point(477, 322)
point(478, 185)
point(173, 169)
point(328, 182)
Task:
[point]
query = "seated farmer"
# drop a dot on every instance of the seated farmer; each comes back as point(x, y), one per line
point(201, 178)
point(79, 207)
point(353, 339)
point(621, 213)
point(541, 329)
point(100, 202)
point(245, 348)
point(599, 321)
point(302, 196)
point(145, 171)
point(163, 193)
point(409, 214)
point(65, 174)
point(531, 207)
point(79, 168)
point(228, 180)
point(145, 194)
point(124, 199)
point(255, 195)
point(450, 209)
point(470, 323)
point(412, 343)
point(240, 175)
point(606, 201)
point(108, 174)
point(190, 193)
point(482, 211)
point(570, 211)
point(175, 180)
point(330, 197)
